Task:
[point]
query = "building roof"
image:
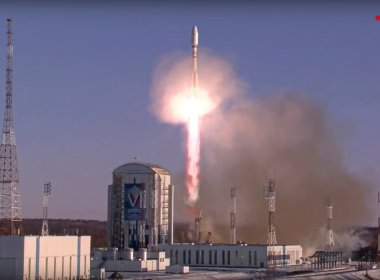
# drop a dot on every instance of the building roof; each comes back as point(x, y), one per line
point(153, 167)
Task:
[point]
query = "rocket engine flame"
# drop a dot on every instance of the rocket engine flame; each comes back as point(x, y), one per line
point(189, 107)
point(193, 142)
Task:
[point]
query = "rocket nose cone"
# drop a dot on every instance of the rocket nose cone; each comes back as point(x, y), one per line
point(194, 36)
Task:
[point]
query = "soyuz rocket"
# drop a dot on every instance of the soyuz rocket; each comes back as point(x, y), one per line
point(194, 46)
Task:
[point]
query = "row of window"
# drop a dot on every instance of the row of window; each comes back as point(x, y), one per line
point(212, 257)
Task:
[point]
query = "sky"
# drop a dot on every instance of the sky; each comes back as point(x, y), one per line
point(83, 73)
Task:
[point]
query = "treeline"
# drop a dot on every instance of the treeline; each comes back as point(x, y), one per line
point(96, 229)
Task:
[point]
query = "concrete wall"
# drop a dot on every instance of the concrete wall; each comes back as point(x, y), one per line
point(11, 257)
point(47, 257)
point(228, 255)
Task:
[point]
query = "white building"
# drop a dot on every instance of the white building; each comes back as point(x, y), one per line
point(231, 255)
point(45, 257)
point(105, 262)
point(140, 203)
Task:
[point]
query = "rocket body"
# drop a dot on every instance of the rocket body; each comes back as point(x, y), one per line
point(194, 46)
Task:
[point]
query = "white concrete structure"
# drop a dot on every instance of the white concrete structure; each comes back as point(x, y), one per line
point(140, 203)
point(45, 257)
point(231, 255)
point(178, 269)
point(113, 260)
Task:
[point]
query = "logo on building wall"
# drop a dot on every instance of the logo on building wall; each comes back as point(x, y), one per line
point(134, 202)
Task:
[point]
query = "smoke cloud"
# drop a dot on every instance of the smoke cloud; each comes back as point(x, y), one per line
point(248, 139)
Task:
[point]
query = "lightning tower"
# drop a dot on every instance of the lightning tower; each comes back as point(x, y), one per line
point(10, 200)
point(233, 216)
point(47, 192)
point(270, 195)
point(330, 235)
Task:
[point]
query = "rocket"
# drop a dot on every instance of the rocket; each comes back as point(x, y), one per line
point(194, 46)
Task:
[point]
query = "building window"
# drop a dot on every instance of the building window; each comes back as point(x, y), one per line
point(184, 256)
point(197, 257)
point(171, 253)
point(254, 258)
point(223, 257)
point(228, 257)
point(202, 257)
point(176, 256)
point(210, 257)
point(250, 258)
point(216, 257)
point(189, 257)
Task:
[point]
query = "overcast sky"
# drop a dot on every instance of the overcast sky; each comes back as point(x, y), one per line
point(83, 72)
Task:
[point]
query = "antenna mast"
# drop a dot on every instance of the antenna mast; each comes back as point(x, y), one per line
point(233, 216)
point(47, 192)
point(10, 200)
point(330, 235)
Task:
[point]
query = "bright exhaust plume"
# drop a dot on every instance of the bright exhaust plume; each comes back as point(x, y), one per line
point(175, 101)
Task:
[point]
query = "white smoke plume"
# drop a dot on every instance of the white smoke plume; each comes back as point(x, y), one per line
point(248, 139)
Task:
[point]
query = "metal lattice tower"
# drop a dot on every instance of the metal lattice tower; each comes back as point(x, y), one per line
point(10, 200)
point(233, 216)
point(270, 195)
point(330, 235)
point(47, 192)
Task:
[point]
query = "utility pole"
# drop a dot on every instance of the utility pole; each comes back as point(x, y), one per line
point(10, 199)
point(47, 192)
